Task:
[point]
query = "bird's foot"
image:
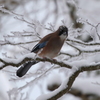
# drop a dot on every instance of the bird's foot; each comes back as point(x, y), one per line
point(45, 58)
point(54, 60)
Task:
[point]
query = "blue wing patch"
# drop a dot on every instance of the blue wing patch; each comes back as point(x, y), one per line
point(39, 46)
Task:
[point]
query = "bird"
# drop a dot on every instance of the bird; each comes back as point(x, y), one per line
point(48, 47)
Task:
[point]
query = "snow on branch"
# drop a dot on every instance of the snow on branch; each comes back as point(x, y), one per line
point(84, 57)
point(63, 89)
point(16, 63)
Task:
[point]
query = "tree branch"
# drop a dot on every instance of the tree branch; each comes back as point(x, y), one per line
point(72, 79)
point(11, 63)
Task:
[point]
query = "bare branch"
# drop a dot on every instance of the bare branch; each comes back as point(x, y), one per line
point(82, 43)
point(12, 43)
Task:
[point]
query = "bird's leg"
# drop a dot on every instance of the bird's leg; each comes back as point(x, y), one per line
point(54, 60)
point(45, 58)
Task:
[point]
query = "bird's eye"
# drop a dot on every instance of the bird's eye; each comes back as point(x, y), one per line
point(61, 30)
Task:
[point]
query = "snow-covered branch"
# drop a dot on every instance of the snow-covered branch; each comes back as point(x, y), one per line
point(16, 63)
point(66, 86)
point(77, 55)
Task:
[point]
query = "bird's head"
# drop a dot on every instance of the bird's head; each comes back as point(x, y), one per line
point(63, 31)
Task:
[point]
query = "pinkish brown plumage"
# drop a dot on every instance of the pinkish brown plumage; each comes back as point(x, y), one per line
point(49, 47)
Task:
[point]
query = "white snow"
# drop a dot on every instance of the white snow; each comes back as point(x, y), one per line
point(88, 11)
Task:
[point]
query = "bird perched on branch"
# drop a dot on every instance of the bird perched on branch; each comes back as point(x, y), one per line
point(48, 47)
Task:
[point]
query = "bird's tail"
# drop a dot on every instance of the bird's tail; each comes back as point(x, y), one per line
point(24, 68)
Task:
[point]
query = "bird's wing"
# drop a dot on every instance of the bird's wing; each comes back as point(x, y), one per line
point(42, 43)
point(38, 46)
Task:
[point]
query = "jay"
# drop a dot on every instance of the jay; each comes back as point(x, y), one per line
point(48, 47)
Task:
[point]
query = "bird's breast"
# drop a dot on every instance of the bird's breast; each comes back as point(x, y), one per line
point(52, 48)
